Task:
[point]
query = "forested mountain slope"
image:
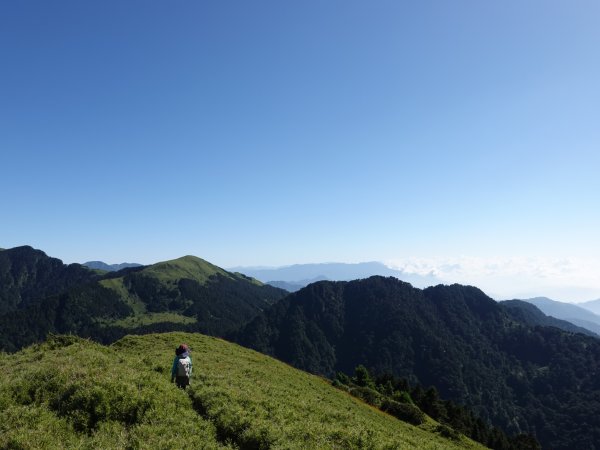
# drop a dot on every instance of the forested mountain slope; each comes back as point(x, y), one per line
point(28, 275)
point(538, 380)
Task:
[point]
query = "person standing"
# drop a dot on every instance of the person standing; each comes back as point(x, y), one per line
point(182, 367)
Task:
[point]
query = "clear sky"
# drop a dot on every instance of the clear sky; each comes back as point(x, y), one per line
point(461, 137)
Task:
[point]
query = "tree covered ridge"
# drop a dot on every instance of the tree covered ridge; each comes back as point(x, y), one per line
point(28, 276)
point(514, 376)
point(41, 295)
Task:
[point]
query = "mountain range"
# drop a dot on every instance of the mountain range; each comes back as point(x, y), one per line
point(100, 265)
point(295, 277)
point(511, 365)
point(576, 314)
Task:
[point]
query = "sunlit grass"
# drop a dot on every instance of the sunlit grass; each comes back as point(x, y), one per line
point(150, 318)
point(71, 393)
point(189, 267)
point(116, 284)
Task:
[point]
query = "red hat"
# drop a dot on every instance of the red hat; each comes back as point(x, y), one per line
point(181, 349)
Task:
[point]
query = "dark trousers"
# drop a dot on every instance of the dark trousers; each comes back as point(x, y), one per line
point(182, 382)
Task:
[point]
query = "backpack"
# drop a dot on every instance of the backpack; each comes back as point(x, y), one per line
point(184, 367)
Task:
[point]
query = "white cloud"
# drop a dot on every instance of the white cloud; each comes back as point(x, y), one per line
point(564, 279)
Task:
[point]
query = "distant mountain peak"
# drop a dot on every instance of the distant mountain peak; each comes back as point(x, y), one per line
point(101, 265)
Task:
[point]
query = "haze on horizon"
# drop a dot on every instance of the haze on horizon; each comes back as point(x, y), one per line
point(460, 138)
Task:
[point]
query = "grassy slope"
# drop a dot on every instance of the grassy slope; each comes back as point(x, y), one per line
point(70, 393)
point(190, 267)
point(193, 268)
point(116, 284)
point(149, 318)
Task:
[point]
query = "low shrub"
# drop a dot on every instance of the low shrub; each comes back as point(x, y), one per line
point(448, 432)
point(403, 411)
point(337, 384)
point(368, 395)
point(87, 404)
point(402, 397)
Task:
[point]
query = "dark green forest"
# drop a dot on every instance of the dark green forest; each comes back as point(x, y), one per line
point(28, 276)
point(409, 403)
point(536, 380)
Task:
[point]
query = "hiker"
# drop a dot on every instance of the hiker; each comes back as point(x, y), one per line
point(182, 366)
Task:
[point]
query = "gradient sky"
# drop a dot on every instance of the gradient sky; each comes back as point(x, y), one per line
point(457, 137)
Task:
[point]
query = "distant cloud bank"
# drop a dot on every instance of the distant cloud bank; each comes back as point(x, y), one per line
point(564, 279)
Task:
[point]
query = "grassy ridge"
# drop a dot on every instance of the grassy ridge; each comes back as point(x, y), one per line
point(190, 267)
point(70, 393)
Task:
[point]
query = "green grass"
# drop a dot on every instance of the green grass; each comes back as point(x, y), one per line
point(247, 278)
point(116, 284)
point(84, 395)
point(100, 272)
point(150, 318)
point(71, 393)
point(190, 267)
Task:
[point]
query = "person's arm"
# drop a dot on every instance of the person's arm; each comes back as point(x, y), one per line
point(174, 369)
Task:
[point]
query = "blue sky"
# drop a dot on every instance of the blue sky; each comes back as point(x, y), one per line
point(423, 134)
